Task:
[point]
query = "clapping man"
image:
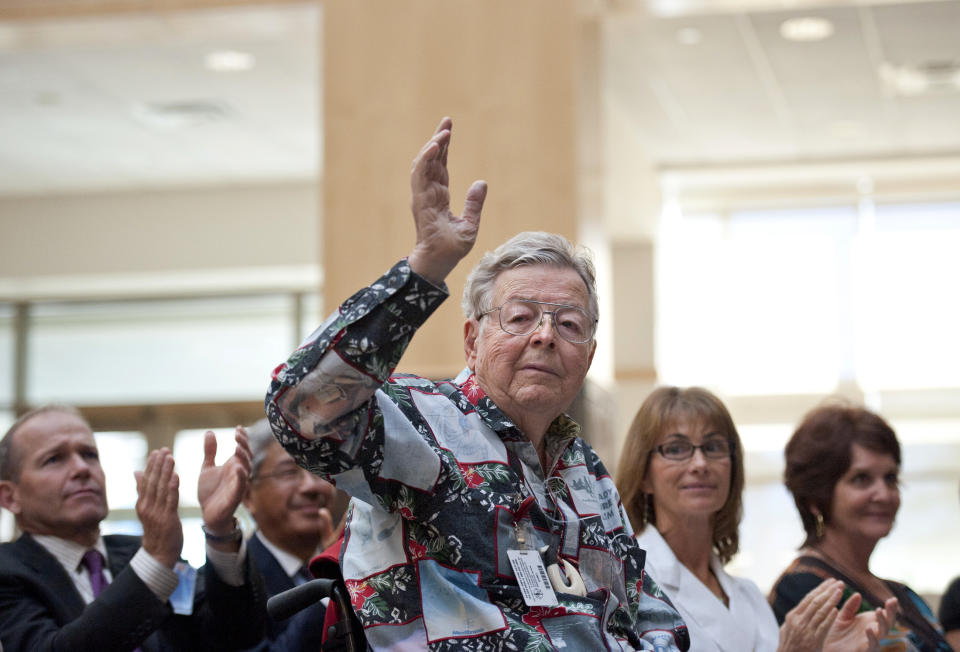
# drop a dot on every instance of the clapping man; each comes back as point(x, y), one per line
point(63, 586)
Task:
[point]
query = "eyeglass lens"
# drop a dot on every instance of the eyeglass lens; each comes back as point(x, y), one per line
point(523, 317)
point(681, 449)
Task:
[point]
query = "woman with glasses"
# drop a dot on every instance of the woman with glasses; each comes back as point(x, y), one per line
point(843, 469)
point(681, 481)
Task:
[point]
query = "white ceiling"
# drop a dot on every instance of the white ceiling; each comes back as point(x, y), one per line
point(125, 101)
point(743, 93)
point(92, 103)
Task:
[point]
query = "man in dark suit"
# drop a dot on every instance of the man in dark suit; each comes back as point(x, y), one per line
point(295, 513)
point(63, 586)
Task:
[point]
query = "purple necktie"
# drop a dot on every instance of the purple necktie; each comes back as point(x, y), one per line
point(93, 560)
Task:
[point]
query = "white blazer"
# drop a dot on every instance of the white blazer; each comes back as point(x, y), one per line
point(749, 623)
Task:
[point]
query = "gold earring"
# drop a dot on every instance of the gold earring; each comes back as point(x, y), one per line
point(819, 519)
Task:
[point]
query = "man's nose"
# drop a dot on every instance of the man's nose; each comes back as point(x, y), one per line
point(80, 465)
point(546, 329)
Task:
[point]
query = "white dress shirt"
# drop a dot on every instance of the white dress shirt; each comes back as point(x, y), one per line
point(748, 624)
point(159, 579)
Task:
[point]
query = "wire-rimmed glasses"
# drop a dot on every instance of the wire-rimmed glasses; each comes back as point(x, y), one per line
point(523, 316)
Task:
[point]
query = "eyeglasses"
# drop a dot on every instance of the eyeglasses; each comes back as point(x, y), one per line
point(285, 475)
point(523, 316)
point(679, 450)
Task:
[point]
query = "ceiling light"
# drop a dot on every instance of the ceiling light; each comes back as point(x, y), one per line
point(806, 29)
point(689, 36)
point(926, 77)
point(171, 116)
point(229, 61)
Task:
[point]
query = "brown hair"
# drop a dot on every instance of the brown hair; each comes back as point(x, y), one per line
point(661, 410)
point(820, 452)
point(9, 455)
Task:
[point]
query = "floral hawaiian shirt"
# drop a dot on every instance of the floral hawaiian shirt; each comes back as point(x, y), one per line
point(444, 485)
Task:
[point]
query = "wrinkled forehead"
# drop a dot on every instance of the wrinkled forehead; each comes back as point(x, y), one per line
point(48, 428)
point(549, 283)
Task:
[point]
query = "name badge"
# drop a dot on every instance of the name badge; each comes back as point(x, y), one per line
point(532, 578)
point(182, 597)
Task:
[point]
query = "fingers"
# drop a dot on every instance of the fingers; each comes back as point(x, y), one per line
point(434, 150)
point(815, 598)
point(850, 607)
point(826, 612)
point(446, 124)
point(473, 204)
point(173, 492)
point(209, 449)
point(886, 615)
point(243, 453)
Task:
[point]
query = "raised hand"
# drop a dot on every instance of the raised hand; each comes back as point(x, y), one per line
point(158, 495)
point(443, 238)
point(808, 625)
point(220, 488)
point(853, 632)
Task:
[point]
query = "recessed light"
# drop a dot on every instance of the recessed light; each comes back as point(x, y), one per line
point(689, 36)
point(171, 116)
point(806, 29)
point(229, 61)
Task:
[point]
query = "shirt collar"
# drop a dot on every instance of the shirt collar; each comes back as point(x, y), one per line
point(558, 435)
point(291, 564)
point(68, 553)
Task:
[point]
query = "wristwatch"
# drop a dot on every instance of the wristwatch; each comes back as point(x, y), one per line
point(231, 537)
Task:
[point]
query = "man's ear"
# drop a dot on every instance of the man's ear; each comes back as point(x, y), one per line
point(471, 332)
point(593, 349)
point(10, 497)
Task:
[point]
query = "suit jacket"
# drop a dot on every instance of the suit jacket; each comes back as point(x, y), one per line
point(747, 624)
point(301, 632)
point(40, 608)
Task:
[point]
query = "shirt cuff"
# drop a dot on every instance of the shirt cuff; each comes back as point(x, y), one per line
point(161, 581)
point(228, 565)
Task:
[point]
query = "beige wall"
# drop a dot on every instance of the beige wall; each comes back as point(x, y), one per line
point(159, 230)
point(504, 72)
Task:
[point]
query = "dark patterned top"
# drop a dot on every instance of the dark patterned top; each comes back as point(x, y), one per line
point(914, 630)
point(444, 484)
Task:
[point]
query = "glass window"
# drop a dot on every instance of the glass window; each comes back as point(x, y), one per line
point(194, 544)
point(157, 351)
point(6, 356)
point(907, 312)
point(188, 453)
point(121, 453)
point(742, 301)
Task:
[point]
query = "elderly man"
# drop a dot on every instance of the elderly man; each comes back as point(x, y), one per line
point(485, 521)
point(292, 509)
point(63, 586)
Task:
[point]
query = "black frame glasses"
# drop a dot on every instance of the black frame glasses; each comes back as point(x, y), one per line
point(557, 319)
point(715, 448)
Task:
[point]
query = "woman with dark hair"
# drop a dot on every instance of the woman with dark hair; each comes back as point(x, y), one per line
point(843, 469)
point(681, 480)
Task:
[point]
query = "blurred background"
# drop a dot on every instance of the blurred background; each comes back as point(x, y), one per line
point(771, 189)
